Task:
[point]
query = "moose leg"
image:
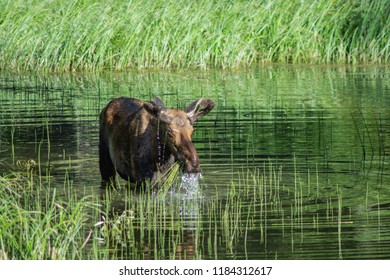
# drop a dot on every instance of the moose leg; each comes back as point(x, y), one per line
point(107, 168)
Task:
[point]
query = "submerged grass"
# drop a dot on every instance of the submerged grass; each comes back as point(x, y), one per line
point(54, 35)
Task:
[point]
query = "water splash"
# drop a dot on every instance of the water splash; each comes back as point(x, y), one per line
point(190, 183)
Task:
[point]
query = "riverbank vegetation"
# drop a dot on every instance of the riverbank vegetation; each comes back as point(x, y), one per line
point(54, 35)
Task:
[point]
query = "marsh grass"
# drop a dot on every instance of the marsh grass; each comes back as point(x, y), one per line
point(117, 34)
point(40, 221)
point(168, 179)
point(37, 224)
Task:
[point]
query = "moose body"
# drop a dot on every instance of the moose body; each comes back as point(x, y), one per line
point(141, 140)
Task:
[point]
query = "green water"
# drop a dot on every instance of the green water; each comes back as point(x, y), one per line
point(294, 158)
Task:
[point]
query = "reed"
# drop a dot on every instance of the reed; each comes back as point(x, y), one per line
point(54, 35)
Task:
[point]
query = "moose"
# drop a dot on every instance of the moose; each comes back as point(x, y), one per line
point(141, 140)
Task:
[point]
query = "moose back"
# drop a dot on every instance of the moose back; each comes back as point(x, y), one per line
point(141, 140)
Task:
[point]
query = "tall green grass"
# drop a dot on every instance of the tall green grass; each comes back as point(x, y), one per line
point(37, 224)
point(117, 34)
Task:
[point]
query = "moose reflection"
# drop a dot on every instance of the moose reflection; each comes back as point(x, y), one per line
point(141, 140)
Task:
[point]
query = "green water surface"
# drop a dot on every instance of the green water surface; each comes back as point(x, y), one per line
point(295, 159)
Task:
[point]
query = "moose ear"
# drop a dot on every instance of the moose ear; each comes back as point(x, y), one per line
point(158, 110)
point(154, 107)
point(157, 102)
point(151, 108)
point(192, 109)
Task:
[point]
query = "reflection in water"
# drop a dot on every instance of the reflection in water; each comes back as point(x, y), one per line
point(294, 159)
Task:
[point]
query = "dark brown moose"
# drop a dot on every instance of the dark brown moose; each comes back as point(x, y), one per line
point(141, 140)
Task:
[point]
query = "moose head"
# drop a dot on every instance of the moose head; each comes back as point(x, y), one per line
point(176, 128)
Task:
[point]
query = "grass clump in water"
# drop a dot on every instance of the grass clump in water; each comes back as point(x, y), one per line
point(36, 224)
point(167, 179)
point(94, 35)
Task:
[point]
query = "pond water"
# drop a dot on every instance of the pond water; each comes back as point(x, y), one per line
point(295, 159)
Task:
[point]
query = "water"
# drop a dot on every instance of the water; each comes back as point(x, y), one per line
point(189, 183)
point(294, 159)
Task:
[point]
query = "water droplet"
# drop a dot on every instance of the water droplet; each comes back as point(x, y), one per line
point(190, 183)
